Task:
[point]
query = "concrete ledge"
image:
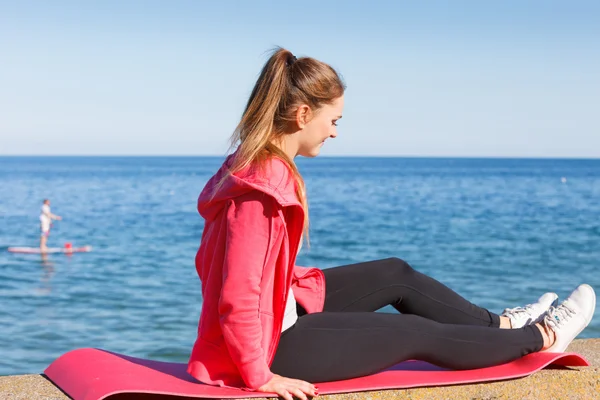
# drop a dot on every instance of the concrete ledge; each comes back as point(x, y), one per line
point(574, 383)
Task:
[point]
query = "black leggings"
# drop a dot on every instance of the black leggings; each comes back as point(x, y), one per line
point(436, 325)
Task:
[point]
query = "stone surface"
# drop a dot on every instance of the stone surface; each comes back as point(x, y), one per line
point(574, 383)
point(29, 387)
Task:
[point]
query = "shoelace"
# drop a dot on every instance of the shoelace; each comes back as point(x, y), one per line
point(528, 309)
point(557, 316)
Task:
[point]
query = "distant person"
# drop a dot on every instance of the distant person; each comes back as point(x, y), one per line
point(46, 218)
point(269, 325)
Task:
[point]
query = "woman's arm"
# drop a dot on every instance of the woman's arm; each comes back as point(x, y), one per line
point(249, 224)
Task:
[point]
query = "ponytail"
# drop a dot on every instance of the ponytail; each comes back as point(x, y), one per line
point(284, 84)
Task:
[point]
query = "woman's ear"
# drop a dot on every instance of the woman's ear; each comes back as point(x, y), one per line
point(303, 116)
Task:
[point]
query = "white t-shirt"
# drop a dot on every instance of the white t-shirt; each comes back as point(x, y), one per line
point(290, 316)
point(45, 219)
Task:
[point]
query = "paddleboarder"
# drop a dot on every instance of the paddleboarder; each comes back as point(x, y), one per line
point(46, 218)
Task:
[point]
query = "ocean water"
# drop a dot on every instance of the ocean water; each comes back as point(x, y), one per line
point(499, 231)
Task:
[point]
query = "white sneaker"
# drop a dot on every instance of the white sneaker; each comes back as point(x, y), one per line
point(571, 317)
point(531, 313)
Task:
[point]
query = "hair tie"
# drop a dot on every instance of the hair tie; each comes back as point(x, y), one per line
point(291, 60)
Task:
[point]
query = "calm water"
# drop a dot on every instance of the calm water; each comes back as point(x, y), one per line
point(500, 232)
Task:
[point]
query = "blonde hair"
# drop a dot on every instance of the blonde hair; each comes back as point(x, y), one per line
point(284, 84)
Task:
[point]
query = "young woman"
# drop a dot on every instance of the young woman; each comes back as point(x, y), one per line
point(269, 325)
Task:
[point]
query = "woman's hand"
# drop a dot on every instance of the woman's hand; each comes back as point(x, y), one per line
point(289, 388)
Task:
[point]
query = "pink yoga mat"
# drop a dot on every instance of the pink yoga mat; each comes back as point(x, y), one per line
point(93, 374)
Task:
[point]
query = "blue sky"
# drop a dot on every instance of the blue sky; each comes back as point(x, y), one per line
point(501, 79)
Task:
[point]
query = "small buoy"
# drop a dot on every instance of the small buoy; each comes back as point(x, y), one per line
point(563, 179)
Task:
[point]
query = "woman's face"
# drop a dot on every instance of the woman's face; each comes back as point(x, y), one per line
point(322, 126)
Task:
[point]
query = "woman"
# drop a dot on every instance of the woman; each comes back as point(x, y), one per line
point(269, 325)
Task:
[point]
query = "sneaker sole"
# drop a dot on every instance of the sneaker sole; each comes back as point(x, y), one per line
point(591, 290)
point(587, 320)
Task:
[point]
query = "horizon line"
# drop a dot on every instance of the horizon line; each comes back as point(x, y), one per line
point(320, 156)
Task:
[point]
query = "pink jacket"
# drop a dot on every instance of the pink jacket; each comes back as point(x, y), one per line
point(246, 262)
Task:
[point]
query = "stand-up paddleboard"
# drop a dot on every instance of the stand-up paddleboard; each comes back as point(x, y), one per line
point(36, 250)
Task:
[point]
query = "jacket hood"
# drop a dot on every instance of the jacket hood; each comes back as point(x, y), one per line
point(273, 178)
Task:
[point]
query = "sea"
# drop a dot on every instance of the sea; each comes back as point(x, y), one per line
point(500, 232)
